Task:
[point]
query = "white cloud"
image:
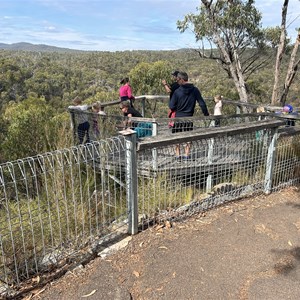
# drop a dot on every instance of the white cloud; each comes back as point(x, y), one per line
point(112, 25)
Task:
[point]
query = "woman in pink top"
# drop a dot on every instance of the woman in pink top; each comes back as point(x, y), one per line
point(125, 90)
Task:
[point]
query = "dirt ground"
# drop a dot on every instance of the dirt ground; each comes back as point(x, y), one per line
point(248, 249)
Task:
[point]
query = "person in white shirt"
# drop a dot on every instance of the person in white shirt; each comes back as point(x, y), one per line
point(218, 109)
point(81, 119)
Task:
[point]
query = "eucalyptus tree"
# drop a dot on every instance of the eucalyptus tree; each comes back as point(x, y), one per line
point(279, 97)
point(292, 70)
point(233, 31)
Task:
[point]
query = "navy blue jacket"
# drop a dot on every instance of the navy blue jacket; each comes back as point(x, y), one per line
point(184, 99)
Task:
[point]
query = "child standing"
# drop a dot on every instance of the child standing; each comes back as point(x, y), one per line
point(97, 110)
point(218, 108)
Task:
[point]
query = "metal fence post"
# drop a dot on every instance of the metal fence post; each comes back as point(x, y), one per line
point(131, 180)
point(270, 162)
point(143, 106)
point(154, 150)
point(209, 161)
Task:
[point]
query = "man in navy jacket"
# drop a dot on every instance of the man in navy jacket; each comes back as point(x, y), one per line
point(183, 103)
point(184, 99)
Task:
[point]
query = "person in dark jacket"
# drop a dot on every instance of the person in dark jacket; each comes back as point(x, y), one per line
point(183, 103)
point(184, 99)
point(129, 111)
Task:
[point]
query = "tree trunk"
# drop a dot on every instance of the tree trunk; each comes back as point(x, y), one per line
point(291, 72)
point(280, 51)
point(235, 70)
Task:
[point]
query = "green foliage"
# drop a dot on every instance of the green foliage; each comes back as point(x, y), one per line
point(27, 124)
point(272, 35)
point(56, 78)
point(146, 77)
point(161, 193)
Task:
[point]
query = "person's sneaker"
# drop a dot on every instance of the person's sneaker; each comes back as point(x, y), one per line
point(186, 157)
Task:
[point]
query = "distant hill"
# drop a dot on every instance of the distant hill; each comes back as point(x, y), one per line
point(36, 48)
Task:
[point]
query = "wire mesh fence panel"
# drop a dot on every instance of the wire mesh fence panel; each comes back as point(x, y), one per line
point(57, 203)
point(216, 170)
point(287, 162)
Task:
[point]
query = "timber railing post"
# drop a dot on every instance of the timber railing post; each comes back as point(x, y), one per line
point(209, 161)
point(270, 162)
point(131, 180)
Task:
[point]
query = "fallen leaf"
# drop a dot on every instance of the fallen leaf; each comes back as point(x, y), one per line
point(36, 279)
point(174, 274)
point(290, 243)
point(163, 247)
point(90, 294)
point(158, 227)
point(136, 274)
point(141, 244)
point(39, 292)
point(168, 224)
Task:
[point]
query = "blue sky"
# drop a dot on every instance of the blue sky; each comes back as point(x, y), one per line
point(113, 25)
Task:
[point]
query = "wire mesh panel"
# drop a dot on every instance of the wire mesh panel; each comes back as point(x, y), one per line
point(216, 170)
point(56, 203)
point(287, 161)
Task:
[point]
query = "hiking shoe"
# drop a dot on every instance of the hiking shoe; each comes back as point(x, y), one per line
point(186, 157)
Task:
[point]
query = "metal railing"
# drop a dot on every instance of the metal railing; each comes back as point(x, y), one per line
point(61, 204)
point(155, 121)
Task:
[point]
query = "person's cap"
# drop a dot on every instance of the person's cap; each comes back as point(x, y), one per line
point(175, 73)
point(287, 108)
point(290, 107)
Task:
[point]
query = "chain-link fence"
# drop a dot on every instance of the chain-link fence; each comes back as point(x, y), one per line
point(60, 208)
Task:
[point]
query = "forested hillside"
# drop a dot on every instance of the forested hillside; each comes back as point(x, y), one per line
point(37, 87)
